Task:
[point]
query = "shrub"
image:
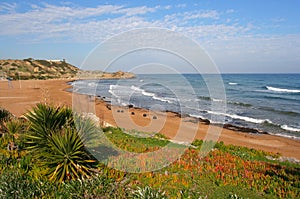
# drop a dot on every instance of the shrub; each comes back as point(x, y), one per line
point(56, 143)
point(148, 193)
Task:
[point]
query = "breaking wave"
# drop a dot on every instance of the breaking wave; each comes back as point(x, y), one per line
point(282, 90)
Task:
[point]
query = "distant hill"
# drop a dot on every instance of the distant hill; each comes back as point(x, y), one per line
point(49, 69)
point(36, 69)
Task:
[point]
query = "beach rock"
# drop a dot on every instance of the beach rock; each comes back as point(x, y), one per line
point(205, 121)
point(243, 129)
point(144, 115)
point(108, 106)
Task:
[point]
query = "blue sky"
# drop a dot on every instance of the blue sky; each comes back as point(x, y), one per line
point(239, 35)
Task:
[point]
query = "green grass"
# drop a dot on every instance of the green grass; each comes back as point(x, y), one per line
point(131, 143)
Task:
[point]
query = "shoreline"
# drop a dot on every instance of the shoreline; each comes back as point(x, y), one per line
point(23, 97)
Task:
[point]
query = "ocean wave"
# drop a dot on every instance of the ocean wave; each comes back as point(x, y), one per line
point(240, 104)
point(116, 98)
point(233, 83)
point(282, 90)
point(92, 84)
point(111, 90)
point(142, 91)
point(204, 98)
point(210, 99)
point(288, 128)
point(219, 100)
point(244, 118)
point(283, 97)
point(291, 113)
point(153, 95)
point(165, 99)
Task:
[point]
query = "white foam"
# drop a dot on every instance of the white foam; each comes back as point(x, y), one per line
point(153, 95)
point(232, 83)
point(282, 90)
point(163, 99)
point(247, 119)
point(92, 84)
point(196, 116)
point(137, 89)
point(217, 100)
point(111, 90)
point(288, 128)
point(116, 98)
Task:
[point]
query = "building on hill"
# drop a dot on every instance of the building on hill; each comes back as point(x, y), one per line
point(56, 60)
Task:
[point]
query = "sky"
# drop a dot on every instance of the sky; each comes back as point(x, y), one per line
point(240, 36)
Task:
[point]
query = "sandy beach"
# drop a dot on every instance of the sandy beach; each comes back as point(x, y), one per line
point(21, 96)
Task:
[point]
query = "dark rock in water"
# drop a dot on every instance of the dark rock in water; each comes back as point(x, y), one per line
point(175, 113)
point(144, 115)
point(132, 113)
point(154, 117)
point(205, 121)
point(243, 129)
point(130, 106)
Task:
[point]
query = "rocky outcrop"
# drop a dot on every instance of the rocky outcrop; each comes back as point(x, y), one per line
point(104, 75)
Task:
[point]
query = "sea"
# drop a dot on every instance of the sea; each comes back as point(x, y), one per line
point(265, 102)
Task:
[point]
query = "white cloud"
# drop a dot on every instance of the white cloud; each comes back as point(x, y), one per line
point(223, 38)
point(8, 7)
point(168, 7)
point(230, 11)
point(185, 17)
point(56, 21)
point(181, 5)
point(135, 11)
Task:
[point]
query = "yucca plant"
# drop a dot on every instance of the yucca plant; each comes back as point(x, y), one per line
point(58, 144)
point(14, 128)
point(47, 117)
point(44, 120)
point(66, 157)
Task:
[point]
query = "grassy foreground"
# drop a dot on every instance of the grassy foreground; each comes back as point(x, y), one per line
point(49, 160)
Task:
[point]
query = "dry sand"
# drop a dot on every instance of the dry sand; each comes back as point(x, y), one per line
point(23, 95)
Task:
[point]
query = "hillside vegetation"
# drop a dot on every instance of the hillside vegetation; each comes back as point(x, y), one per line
point(50, 69)
point(36, 69)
